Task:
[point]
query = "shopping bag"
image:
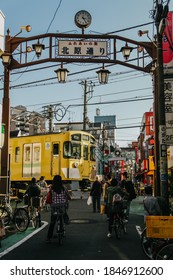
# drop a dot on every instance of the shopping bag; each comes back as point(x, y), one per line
point(49, 197)
point(102, 209)
point(89, 200)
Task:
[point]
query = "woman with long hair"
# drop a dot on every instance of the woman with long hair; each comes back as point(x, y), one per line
point(60, 196)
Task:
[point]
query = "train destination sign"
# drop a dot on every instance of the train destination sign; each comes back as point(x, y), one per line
point(84, 48)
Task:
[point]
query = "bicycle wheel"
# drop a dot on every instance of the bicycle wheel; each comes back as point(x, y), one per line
point(60, 230)
point(124, 227)
point(34, 218)
point(118, 229)
point(21, 219)
point(146, 244)
point(5, 216)
point(165, 253)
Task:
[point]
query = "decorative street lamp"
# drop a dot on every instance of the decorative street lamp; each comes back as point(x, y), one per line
point(103, 75)
point(6, 59)
point(62, 74)
point(126, 51)
point(38, 48)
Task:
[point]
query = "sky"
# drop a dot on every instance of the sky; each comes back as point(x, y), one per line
point(123, 18)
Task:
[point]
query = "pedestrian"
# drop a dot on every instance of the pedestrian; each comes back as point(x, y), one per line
point(96, 192)
point(107, 184)
point(44, 189)
point(59, 197)
point(151, 205)
point(34, 192)
point(128, 186)
point(42, 183)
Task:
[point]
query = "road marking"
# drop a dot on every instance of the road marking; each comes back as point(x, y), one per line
point(23, 240)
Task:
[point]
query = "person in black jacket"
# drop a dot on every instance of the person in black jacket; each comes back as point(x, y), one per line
point(96, 192)
point(128, 186)
point(33, 192)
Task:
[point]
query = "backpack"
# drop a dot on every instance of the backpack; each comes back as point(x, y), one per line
point(117, 203)
point(116, 198)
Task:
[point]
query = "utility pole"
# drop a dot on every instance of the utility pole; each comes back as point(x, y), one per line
point(87, 89)
point(161, 14)
point(85, 105)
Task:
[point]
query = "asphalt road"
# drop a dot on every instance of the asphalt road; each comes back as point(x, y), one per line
point(86, 238)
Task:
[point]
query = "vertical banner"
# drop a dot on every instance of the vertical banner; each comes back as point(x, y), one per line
point(168, 83)
point(168, 45)
point(168, 94)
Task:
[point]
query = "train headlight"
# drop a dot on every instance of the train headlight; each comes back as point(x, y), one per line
point(75, 164)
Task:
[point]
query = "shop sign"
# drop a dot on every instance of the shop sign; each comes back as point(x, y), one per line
point(83, 48)
point(168, 95)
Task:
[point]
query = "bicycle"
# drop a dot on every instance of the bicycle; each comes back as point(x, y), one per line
point(34, 212)
point(58, 212)
point(18, 217)
point(151, 246)
point(119, 225)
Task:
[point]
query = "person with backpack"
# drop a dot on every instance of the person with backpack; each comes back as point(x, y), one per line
point(114, 191)
point(33, 193)
point(128, 186)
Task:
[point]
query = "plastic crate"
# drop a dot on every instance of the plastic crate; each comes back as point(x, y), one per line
point(159, 226)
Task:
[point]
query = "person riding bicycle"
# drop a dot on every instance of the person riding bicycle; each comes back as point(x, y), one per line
point(33, 192)
point(112, 191)
point(59, 197)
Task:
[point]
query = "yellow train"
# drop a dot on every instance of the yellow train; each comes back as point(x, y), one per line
point(70, 154)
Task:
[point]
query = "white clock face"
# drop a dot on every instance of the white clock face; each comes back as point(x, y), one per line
point(82, 19)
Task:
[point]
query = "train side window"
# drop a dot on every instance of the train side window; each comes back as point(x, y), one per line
point(92, 153)
point(85, 152)
point(55, 149)
point(17, 154)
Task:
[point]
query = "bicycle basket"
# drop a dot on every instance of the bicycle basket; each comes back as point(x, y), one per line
point(159, 226)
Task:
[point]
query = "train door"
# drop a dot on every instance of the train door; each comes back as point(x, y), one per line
point(55, 158)
point(32, 160)
point(85, 160)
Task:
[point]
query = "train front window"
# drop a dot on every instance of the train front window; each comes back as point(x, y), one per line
point(67, 149)
point(72, 150)
point(76, 150)
point(92, 153)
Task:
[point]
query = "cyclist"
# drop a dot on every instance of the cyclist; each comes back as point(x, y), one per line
point(60, 196)
point(113, 190)
point(34, 193)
